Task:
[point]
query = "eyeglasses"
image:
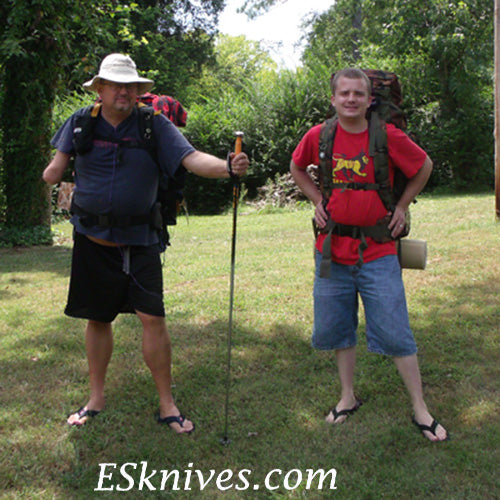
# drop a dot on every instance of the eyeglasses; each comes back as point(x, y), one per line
point(116, 87)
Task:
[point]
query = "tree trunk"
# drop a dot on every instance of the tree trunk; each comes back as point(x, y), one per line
point(497, 107)
point(29, 90)
point(357, 23)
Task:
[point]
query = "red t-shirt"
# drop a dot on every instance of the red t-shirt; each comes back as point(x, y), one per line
point(351, 163)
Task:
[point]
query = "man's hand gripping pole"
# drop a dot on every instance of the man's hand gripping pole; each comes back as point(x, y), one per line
point(237, 150)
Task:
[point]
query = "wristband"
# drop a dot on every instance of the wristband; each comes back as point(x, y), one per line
point(229, 168)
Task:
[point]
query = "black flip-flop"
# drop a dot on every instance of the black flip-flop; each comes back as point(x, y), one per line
point(348, 411)
point(430, 428)
point(174, 419)
point(82, 412)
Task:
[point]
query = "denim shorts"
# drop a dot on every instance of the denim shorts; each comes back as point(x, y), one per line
point(380, 285)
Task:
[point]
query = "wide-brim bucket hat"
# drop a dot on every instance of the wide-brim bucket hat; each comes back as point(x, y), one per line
point(119, 68)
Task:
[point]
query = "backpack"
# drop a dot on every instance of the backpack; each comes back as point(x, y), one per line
point(169, 106)
point(169, 196)
point(385, 108)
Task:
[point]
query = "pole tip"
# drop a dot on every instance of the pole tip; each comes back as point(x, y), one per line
point(239, 133)
point(225, 441)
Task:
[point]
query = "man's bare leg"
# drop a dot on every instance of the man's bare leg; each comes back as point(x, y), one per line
point(99, 347)
point(346, 361)
point(410, 373)
point(156, 350)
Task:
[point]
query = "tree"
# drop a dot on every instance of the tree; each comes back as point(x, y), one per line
point(255, 7)
point(49, 45)
point(449, 45)
point(32, 40)
point(168, 39)
point(443, 53)
point(335, 35)
point(171, 39)
point(235, 63)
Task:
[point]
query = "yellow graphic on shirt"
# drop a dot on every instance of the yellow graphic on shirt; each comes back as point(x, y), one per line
point(349, 167)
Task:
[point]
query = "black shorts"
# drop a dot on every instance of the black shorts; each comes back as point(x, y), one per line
point(106, 281)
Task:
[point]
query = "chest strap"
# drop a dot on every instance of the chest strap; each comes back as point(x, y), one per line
point(360, 186)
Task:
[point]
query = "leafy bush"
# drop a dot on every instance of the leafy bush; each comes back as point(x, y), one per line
point(65, 105)
point(25, 237)
point(273, 113)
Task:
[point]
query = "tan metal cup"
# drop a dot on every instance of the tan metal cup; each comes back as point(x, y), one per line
point(412, 253)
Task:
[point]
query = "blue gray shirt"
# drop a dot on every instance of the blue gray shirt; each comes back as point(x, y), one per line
point(121, 181)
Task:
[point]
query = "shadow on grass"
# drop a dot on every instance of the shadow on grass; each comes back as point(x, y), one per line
point(52, 259)
point(460, 330)
point(264, 402)
point(280, 389)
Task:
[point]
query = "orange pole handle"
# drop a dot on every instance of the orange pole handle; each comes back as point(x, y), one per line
point(238, 143)
point(237, 146)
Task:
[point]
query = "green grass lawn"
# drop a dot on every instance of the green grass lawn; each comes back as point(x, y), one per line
point(281, 388)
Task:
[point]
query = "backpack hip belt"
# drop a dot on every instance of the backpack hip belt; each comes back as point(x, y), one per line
point(379, 232)
point(88, 219)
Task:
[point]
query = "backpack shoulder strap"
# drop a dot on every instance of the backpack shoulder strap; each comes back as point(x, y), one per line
point(146, 126)
point(169, 196)
point(83, 131)
point(378, 150)
point(95, 109)
point(326, 140)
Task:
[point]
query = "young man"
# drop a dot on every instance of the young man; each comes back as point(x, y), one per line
point(378, 281)
point(116, 266)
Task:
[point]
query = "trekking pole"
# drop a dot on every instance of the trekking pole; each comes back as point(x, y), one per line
point(236, 195)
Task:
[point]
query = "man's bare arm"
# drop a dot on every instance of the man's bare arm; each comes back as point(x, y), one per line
point(54, 171)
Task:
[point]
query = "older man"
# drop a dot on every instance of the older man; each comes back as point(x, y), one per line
point(116, 266)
